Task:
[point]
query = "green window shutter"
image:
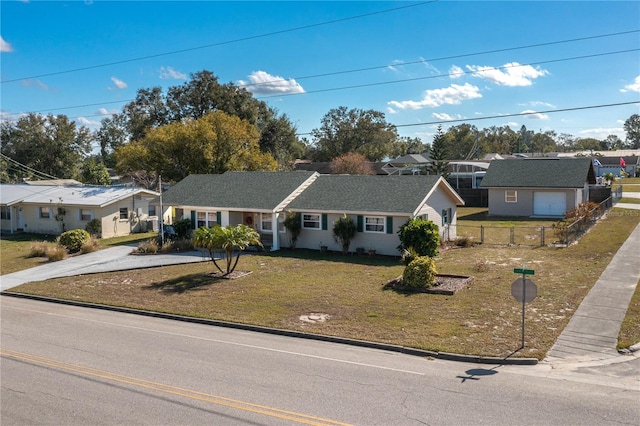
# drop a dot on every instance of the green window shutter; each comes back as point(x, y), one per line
point(324, 222)
point(449, 216)
point(193, 219)
point(299, 217)
point(389, 224)
point(218, 217)
point(360, 224)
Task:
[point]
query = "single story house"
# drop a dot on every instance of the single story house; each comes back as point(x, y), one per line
point(544, 187)
point(378, 204)
point(51, 209)
point(616, 165)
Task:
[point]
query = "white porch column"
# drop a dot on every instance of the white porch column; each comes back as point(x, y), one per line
point(275, 246)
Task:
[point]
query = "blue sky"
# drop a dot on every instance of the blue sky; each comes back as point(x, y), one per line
point(419, 63)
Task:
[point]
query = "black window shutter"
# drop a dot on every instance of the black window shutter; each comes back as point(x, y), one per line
point(193, 219)
point(360, 224)
point(324, 222)
point(218, 217)
point(389, 224)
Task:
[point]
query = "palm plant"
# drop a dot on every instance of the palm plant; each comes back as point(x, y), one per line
point(344, 230)
point(230, 239)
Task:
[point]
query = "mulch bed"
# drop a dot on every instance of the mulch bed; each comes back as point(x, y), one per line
point(445, 284)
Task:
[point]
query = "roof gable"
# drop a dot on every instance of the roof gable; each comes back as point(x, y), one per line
point(539, 173)
point(237, 190)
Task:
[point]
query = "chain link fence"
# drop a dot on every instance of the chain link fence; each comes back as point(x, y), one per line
point(559, 233)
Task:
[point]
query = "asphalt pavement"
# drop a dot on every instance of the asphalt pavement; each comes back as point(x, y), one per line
point(590, 338)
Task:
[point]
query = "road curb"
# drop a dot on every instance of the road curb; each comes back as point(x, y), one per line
point(289, 333)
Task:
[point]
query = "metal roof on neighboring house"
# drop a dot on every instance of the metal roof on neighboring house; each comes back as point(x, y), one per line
point(97, 196)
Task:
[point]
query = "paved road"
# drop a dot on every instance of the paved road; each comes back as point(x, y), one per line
point(74, 366)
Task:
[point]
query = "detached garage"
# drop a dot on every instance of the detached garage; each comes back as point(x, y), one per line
point(544, 187)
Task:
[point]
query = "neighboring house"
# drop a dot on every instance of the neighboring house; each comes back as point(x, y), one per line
point(410, 164)
point(256, 199)
point(545, 187)
point(378, 204)
point(43, 209)
point(616, 165)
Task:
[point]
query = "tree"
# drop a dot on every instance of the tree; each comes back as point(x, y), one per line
point(293, 224)
point(632, 128)
point(355, 130)
point(95, 173)
point(51, 145)
point(111, 135)
point(344, 230)
point(612, 142)
point(233, 240)
point(203, 94)
point(588, 144)
point(461, 141)
point(214, 143)
point(278, 138)
point(542, 143)
point(439, 165)
point(419, 235)
point(406, 145)
point(352, 164)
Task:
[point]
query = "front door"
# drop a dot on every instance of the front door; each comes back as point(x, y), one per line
point(20, 219)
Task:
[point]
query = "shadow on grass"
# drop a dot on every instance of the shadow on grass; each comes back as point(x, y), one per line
point(184, 283)
point(332, 256)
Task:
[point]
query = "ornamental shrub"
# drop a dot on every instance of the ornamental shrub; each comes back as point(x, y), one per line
point(420, 273)
point(74, 239)
point(94, 227)
point(182, 228)
point(344, 230)
point(422, 235)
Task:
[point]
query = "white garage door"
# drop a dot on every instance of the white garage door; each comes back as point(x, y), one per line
point(549, 203)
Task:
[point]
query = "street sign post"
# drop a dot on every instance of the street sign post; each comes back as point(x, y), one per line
point(524, 291)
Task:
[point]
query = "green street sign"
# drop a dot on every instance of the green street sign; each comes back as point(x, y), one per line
point(524, 271)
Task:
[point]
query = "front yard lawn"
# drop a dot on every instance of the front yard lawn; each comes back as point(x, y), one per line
point(483, 319)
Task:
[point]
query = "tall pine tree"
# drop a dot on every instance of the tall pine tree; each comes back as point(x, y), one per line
point(439, 165)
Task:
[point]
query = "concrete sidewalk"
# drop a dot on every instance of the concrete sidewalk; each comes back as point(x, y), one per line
point(592, 332)
point(118, 258)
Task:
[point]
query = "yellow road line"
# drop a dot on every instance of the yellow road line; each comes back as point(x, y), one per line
point(173, 390)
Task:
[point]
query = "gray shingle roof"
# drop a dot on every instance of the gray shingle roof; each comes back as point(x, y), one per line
point(236, 190)
point(539, 173)
point(350, 193)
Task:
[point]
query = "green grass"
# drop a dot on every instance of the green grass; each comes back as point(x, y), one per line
point(483, 319)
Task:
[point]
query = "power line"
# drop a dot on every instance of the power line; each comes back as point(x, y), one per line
point(25, 168)
point(463, 55)
point(520, 114)
point(459, 73)
point(222, 43)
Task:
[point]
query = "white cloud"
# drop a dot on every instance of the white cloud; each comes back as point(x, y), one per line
point(4, 46)
point(512, 74)
point(634, 87)
point(263, 83)
point(446, 117)
point(168, 73)
point(534, 115)
point(541, 104)
point(452, 95)
point(455, 72)
point(86, 122)
point(106, 112)
point(31, 82)
point(599, 131)
point(118, 84)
